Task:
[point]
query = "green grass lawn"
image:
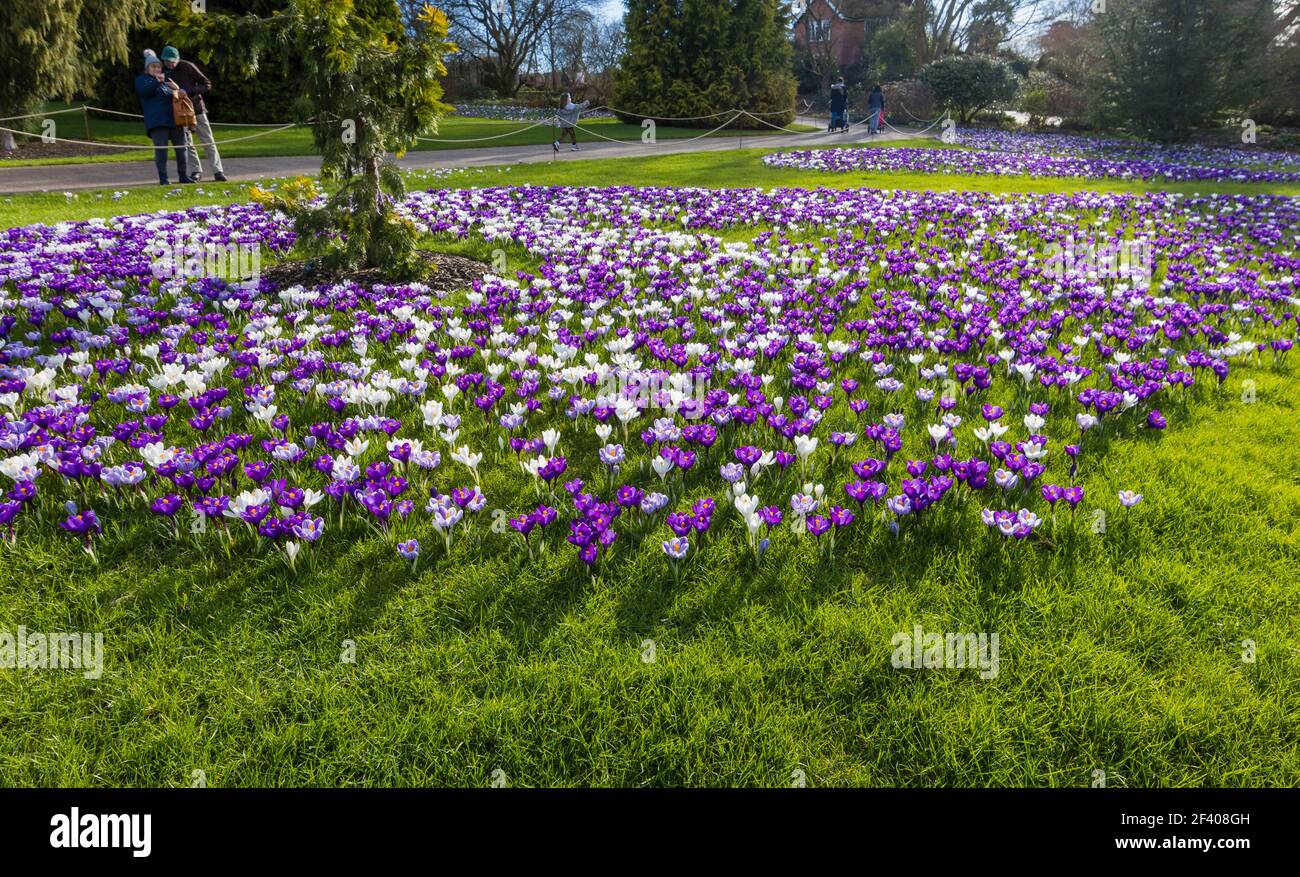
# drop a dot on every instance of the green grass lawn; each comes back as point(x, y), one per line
point(454, 132)
point(1120, 651)
point(729, 168)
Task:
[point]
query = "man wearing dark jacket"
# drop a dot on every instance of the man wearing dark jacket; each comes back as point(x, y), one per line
point(191, 81)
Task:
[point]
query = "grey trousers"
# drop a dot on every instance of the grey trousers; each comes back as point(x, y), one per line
point(204, 132)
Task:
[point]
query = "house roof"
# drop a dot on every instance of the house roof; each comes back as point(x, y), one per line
point(839, 7)
point(835, 7)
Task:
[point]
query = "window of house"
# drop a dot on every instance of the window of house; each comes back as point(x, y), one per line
point(819, 31)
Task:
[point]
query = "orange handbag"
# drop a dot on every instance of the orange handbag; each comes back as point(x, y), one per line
point(183, 110)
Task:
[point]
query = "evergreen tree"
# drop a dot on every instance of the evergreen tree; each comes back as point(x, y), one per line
point(690, 58)
point(213, 40)
point(370, 87)
point(1168, 66)
point(51, 48)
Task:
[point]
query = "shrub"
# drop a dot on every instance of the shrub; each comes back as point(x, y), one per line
point(968, 84)
point(912, 99)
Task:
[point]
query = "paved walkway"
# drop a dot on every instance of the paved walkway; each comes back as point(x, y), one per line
point(125, 174)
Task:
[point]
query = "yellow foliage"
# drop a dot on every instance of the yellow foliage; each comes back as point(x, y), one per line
point(298, 191)
point(433, 16)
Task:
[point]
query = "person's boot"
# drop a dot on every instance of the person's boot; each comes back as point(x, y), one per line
point(219, 177)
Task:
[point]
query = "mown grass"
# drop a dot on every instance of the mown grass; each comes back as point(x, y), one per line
point(721, 169)
point(1120, 651)
point(454, 132)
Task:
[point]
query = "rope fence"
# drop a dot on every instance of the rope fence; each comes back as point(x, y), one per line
point(105, 145)
point(553, 121)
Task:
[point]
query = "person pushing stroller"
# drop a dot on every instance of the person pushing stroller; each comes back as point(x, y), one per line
point(839, 106)
point(875, 110)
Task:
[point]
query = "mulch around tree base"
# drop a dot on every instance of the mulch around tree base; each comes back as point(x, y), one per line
point(450, 273)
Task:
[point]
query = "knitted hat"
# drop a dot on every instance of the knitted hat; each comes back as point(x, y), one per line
point(170, 54)
point(150, 58)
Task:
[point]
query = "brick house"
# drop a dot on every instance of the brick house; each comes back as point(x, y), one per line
point(838, 30)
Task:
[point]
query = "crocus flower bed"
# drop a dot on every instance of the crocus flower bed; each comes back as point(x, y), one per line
point(1056, 155)
point(887, 360)
point(516, 113)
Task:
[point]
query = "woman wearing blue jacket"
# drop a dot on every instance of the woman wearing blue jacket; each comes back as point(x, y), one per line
point(155, 94)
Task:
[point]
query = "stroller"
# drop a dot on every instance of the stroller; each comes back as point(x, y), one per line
point(875, 119)
point(839, 118)
point(839, 121)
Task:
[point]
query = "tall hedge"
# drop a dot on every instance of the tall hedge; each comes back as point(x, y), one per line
point(238, 94)
point(697, 57)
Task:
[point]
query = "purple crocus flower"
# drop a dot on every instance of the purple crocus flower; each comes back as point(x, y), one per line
point(677, 547)
point(166, 505)
point(309, 529)
point(680, 523)
point(84, 523)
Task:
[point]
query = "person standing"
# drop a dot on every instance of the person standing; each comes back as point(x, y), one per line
point(568, 121)
point(155, 95)
point(876, 110)
point(839, 105)
point(192, 82)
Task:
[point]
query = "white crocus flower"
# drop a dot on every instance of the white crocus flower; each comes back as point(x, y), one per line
point(468, 459)
point(23, 467)
point(746, 504)
point(550, 438)
point(157, 454)
point(432, 411)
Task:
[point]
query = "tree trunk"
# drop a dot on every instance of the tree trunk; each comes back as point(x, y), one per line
point(7, 143)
